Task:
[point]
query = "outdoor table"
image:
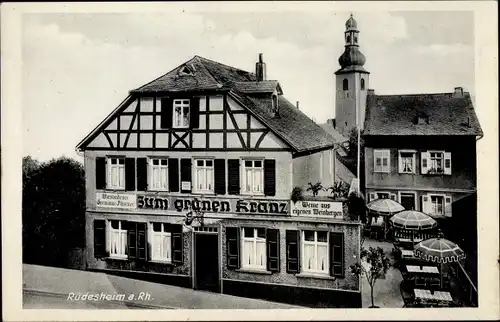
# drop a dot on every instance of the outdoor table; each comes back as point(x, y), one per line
point(440, 296)
point(422, 269)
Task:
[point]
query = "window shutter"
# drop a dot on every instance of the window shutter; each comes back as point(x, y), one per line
point(142, 174)
point(337, 254)
point(292, 251)
point(141, 241)
point(131, 238)
point(166, 112)
point(220, 176)
point(377, 157)
point(400, 163)
point(233, 176)
point(173, 175)
point(426, 204)
point(99, 238)
point(186, 173)
point(447, 206)
point(273, 250)
point(269, 177)
point(100, 173)
point(130, 174)
point(233, 247)
point(447, 163)
point(424, 162)
point(194, 111)
point(177, 244)
point(373, 196)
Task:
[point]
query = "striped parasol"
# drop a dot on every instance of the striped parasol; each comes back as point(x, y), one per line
point(439, 250)
point(385, 206)
point(412, 220)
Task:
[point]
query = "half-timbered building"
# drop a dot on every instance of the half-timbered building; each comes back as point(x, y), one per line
point(189, 182)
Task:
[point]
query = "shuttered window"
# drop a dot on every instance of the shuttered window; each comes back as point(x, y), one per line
point(232, 247)
point(137, 240)
point(173, 175)
point(204, 175)
point(181, 113)
point(115, 173)
point(99, 238)
point(117, 238)
point(253, 241)
point(337, 254)
point(315, 252)
point(186, 175)
point(381, 161)
point(161, 242)
point(270, 177)
point(220, 176)
point(142, 174)
point(292, 251)
point(253, 176)
point(273, 250)
point(158, 174)
point(233, 176)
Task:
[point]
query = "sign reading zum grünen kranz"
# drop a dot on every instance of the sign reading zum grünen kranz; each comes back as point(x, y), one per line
point(213, 205)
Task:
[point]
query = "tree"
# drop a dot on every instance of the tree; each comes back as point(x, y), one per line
point(374, 265)
point(353, 144)
point(53, 210)
point(357, 206)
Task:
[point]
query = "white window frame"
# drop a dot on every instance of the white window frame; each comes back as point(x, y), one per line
point(122, 241)
point(209, 186)
point(381, 154)
point(400, 161)
point(178, 121)
point(120, 167)
point(163, 233)
point(151, 167)
point(255, 240)
point(414, 193)
point(315, 243)
point(431, 205)
point(430, 164)
point(253, 169)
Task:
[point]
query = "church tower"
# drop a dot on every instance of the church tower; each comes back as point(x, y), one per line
point(351, 83)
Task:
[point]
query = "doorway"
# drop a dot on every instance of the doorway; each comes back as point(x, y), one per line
point(206, 261)
point(407, 200)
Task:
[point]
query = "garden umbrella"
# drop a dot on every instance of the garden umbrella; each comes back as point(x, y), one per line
point(439, 250)
point(384, 207)
point(412, 220)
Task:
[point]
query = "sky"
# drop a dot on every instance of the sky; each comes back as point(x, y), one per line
point(76, 68)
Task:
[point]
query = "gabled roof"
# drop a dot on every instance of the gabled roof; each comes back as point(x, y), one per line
point(293, 126)
point(206, 75)
point(398, 114)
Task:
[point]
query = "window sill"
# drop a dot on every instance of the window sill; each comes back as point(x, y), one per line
point(316, 276)
point(157, 261)
point(202, 193)
point(382, 172)
point(252, 194)
point(254, 271)
point(122, 258)
point(114, 189)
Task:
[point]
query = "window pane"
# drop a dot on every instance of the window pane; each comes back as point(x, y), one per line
point(248, 232)
point(166, 247)
point(261, 232)
point(113, 161)
point(309, 235)
point(322, 236)
point(248, 164)
point(258, 164)
point(164, 162)
point(322, 257)
point(309, 258)
point(155, 161)
point(209, 163)
point(199, 163)
point(114, 224)
point(248, 252)
point(157, 226)
point(121, 161)
point(261, 253)
point(378, 161)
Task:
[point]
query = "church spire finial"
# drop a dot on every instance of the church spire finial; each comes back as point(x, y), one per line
point(351, 56)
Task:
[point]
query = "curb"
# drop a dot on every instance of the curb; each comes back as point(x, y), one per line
point(127, 303)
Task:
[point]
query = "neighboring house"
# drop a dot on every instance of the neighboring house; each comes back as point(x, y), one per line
point(212, 141)
point(421, 149)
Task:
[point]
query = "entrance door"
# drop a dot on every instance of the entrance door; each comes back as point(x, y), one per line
point(408, 201)
point(207, 262)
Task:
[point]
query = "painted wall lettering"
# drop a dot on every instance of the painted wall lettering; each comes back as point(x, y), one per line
point(318, 209)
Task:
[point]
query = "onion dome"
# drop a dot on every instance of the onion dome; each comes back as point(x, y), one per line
point(352, 57)
point(351, 24)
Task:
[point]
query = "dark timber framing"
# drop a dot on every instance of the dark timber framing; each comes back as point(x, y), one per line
point(207, 121)
point(224, 122)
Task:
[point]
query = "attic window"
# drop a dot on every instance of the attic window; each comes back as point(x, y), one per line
point(185, 71)
point(274, 105)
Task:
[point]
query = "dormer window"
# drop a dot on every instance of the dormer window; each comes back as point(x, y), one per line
point(345, 85)
point(185, 71)
point(274, 105)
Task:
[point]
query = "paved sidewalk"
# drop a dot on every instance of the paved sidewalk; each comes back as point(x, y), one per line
point(58, 281)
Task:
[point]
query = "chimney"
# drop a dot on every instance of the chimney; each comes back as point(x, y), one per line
point(459, 92)
point(371, 91)
point(260, 69)
point(297, 105)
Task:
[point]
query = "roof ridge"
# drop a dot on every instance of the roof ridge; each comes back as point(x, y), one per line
point(221, 64)
point(417, 94)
